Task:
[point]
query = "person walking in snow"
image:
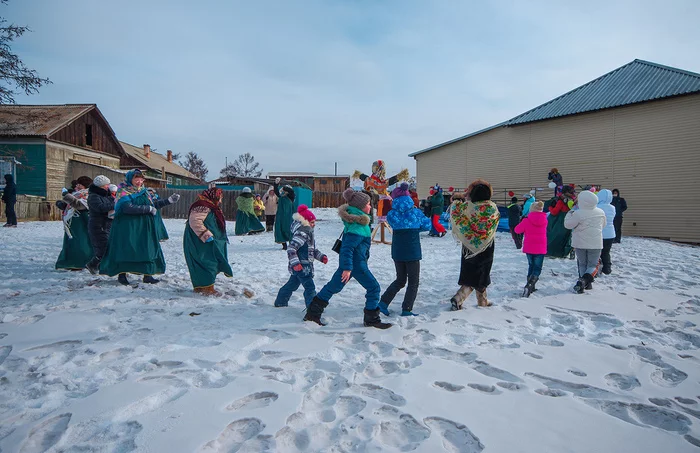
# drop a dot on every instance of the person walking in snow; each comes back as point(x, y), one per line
point(557, 179)
point(354, 253)
point(605, 198)
point(101, 210)
point(301, 253)
point(205, 242)
point(406, 222)
point(515, 212)
point(474, 224)
point(587, 222)
point(270, 202)
point(9, 197)
point(529, 199)
point(620, 205)
point(77, 249)
point(437, 207)
point(558, 236)
point(285, 210)
point(134, 245)
point(246, 220)
point(534, 229)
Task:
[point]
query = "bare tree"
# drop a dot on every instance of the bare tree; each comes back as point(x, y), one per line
point(195, 165)
point(244, 166)
point(14, 75)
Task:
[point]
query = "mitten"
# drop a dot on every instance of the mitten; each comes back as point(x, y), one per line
point(174, 198)
point(153, 210)
point(211, 239)
point(298, 268)
point(64, 191)
point(324, 260)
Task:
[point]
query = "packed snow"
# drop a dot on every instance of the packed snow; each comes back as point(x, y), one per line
point(89, 365)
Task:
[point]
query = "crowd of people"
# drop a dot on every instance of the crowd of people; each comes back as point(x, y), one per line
point(116, 230)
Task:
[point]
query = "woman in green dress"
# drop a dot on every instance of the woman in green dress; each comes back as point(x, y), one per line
point(134, 245)
point(285, 210)
point(206, 243)
point(246, 220)
point(77, 248)
point(160, 225)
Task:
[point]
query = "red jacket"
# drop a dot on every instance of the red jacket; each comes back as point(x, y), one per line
point(560, 207)
point(534, 226)
point(414, 197)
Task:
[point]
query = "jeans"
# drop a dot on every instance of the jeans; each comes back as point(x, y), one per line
point(587, 260)
point(363, 276)
point(618, 229)
point(296, 279)
point(517, 238)
point(605, 255)
point(405, 270)
point(534, 265)
point(10, 213)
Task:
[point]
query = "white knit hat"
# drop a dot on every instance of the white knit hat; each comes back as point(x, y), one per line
point(247, 190)
point(101, 180)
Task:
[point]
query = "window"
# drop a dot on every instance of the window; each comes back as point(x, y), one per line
point(324, 182)
point(179, 181)
point(170, 179)
point(88, 135)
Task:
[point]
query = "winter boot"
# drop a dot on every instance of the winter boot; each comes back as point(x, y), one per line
point(122, 279)
point(284, 246)
point(93, 265)
point(462, 294)
point(150, 279)
point(530, 286)
point(384, 308)
point(372, 319)
point(408, 313)
point(481, 299)
point(208, 291)
point(315, 310)
point(579, 286)
point(588, 278)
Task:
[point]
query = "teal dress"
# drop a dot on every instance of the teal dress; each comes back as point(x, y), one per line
point(134, 246)
point(246, 220)
point(283, 220)
point(160, 228)
point(206, 259)
point(76, 251)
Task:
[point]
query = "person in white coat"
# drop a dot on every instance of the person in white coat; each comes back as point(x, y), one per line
point(604, 199)
point(587, 222)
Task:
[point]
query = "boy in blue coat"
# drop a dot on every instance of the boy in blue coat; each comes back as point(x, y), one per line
point(406, 222)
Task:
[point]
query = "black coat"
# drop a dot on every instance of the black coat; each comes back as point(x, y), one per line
point(9, 195)
point(476, 271)
point(100, 203)
point(515, 211)
point(620, 206)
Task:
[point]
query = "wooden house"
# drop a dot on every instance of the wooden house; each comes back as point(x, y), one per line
point(159, 169)
point(317, 182)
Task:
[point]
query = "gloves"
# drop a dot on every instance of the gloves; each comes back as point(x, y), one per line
point(153, 210)
point(570, 204)
point(64, 191)
point(324, 260)
point(211, 239)
point(113, 188)
point(174, 198)
point(278, 180)
point(298, 268)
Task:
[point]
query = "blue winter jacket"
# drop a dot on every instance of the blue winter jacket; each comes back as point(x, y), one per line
point(406, 222)
point(604, 199)
point(528, 205)
point(354, 251)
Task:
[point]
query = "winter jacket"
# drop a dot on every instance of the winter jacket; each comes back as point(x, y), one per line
point(604, 199)
point(534, 227)
point(406, 222)
point(560, 206)
point(259, 207)
point(302, 248)
point(414, 197)
point(527, 205)
point(515, 211)
point(620, 206)
point(100, 204)
point(9, 194)
point(270, 201)
point(556, 178)
point(587, 222)
point(437, 204)
point(354, 252)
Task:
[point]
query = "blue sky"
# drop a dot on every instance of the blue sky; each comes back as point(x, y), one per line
point(304, 84)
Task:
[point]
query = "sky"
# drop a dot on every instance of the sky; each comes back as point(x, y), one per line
point(304, 84)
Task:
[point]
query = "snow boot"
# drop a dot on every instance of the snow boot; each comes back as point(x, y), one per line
point(588, 278)
point(530, 286)
point(315, 310)
point(579, 286)
point(481, 299)
point(93, 266)
point(150, 279)
point(372, 319)
point(462, 294)
point(122, 279)
point(384, 308)
point(284, 246)
point(208, 291)
point(408, 313)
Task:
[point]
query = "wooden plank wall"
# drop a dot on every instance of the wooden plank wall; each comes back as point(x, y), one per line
point(328, 199)
point(32, 208)
point(102, 139)
point(181, 209)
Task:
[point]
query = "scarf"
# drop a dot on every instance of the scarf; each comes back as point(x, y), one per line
point(474, 225)
point(70, 211)
point(210, 199)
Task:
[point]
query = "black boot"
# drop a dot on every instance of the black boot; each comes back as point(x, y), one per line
point(588, 278)
point(122, 279)
point(315, 310)
point(580, 284)
point(284, 246)
point(93, 265)
point(150, 279)
point(530, 286)
point(372, 319)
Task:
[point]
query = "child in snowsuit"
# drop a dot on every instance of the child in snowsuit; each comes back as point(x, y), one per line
point(437, 206)
point(406, 221)
point(354, 253)
point(587, 223)
point(100, 204)
point(534, 227)
point(515, 211)
point(301, 252)
point(605, 198)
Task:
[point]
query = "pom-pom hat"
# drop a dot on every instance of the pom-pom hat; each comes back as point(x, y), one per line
point(304, 211)
point(356, 199)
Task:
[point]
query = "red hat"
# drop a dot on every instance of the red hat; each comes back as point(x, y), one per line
point(304, 211)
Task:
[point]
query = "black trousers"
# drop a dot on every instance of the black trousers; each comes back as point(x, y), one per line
point(10, 213)
point(517, 238)
point(405, 271)
point(605, 255)
point(269, 222)
point(618, 229)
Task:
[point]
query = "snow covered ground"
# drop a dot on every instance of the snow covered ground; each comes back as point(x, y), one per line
point(89, 365)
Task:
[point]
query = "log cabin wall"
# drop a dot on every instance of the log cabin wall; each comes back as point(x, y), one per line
point(58, 156)
point(90, 131)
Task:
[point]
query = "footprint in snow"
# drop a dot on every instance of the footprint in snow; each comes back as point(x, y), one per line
point(512, 386)
point(150, 403)
point(643, 415)
point(622, 381)
point(491, 371)
point(576, 372)
point(399, 430)
point(46, 434)
point(456, 438)
point(447, 386)
point(533, 355)
point(4, 352)
point(580, 390)
point(58, 346)
point(253, 401)
point(234, 435)
point(382, 394)
point(488, 389)
point(550, 392)
point(688, 401)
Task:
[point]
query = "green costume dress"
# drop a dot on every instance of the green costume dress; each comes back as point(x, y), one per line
point(558, 236)
point(283, 221)
point(160, 228)
point(206, 259)
point(76, 251)
point(246, 220)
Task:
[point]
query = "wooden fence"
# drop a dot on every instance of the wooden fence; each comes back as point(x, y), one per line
point(181, 209)
point(32, 208)
point(328, 199)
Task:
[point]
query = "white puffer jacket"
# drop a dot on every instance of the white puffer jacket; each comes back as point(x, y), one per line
point(587, 222)
point(604, 199)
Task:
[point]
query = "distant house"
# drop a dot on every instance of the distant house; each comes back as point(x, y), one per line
point(56, 143)
point(160, 169)
point(317, 182)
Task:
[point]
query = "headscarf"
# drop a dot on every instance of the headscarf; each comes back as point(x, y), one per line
point(474, 224)
point(128, 191)
point(211, 199)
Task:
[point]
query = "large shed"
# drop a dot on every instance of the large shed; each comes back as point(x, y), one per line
point(636, 128)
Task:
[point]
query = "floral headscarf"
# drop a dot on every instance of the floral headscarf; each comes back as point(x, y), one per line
point(128, 191)
point(474, 224)
point(211, 199)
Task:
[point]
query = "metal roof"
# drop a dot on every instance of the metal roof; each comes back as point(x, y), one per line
point(39, 120)
point(156, 161)
point(638, 81)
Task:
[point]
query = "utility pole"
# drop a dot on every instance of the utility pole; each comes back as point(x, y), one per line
point(336, 169)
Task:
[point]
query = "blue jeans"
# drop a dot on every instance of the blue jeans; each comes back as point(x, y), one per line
point(296, 279)
point(364, 277)
point(534, 268)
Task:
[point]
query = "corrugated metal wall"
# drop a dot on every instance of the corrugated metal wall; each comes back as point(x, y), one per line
point(650, 151)
point(31, 175)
